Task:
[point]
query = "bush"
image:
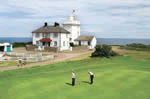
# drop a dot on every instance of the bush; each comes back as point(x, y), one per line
point(71, 44)
point(103, 51)
point(21, 44)
point(137, 45)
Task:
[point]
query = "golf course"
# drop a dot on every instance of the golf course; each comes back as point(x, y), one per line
point(120, 77)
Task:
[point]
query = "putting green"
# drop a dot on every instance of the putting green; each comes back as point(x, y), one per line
point(116, 78)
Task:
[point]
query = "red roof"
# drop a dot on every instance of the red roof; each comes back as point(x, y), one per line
point(45, 39)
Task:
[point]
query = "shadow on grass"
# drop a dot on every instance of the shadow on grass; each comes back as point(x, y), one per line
point(69, 84)
point(86, 82)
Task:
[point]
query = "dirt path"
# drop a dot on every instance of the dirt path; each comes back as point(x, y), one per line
point(59, 57)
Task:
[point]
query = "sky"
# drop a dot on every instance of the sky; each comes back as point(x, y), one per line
point(101, 18)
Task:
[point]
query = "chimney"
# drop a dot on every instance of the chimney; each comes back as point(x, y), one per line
point(56, 24)
point(45, 24)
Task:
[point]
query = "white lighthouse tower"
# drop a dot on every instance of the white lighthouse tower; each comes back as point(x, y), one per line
point(73, 26)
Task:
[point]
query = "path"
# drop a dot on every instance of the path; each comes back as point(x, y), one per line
point(60, 57)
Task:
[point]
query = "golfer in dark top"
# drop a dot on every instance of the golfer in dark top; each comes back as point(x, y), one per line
point(73, 78)
point(91, 76)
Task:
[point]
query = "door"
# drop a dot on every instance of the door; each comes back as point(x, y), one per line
point(1, 48)
point(43, 43)
point(89, 43)
point(79, 43)
point(8, 49)
point(49, 44)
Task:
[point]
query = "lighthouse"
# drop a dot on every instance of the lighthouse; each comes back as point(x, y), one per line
point(73, 26)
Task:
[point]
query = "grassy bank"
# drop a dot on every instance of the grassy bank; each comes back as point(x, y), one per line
point(136, 46)
point(8, 63)
point(121, 77)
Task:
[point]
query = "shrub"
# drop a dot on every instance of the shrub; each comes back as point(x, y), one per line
point(137, 45)
point(72, 44)
point(103, 51)
point(21, 44)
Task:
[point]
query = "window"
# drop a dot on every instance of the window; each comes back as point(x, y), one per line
point(66, 35)
point(55, 35)
point(37, 35)
point(70, 39)
point(37, 43)
point(64, 43)
point(46, 35)
point(43, 35)
point(55, 43)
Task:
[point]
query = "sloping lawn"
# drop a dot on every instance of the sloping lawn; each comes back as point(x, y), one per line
point(120, 77)
point(8, 63)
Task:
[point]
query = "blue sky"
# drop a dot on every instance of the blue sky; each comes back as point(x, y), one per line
point(102, 18)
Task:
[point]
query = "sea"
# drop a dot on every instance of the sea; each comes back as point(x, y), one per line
point(108, 41)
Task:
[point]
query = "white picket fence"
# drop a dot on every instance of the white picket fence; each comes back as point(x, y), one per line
point(34, 59)
point(26, 57)
point(25, 54)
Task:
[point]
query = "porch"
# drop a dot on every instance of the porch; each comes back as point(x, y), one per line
point(46, 42)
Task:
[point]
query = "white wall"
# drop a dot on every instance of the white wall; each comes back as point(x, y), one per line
point(93, 42)
point(57, 39)
point(34, 38)
point(74, 30)
point(76, 42)
point(63, 38)
point(75, 34)
point(84, 42)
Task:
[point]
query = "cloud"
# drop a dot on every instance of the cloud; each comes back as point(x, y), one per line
point(103, 18)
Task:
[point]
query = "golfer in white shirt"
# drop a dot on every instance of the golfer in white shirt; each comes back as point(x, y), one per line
point(91, 76)
point(73, 78)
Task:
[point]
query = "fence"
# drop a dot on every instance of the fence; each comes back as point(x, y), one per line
point(25, 57)
point(33, 59)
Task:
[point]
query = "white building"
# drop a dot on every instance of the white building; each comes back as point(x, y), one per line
point(61, 37)
point(73, 26)
point(5, 47)
point(51, 36)
point(90, 41)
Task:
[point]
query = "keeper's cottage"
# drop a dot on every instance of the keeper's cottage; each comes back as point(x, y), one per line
point(61, 37)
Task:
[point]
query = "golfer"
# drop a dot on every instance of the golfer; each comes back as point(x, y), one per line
point(91, 76)
point(20, 62)
point(73, 78)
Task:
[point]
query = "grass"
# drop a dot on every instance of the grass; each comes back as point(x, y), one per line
point(20, 48)
point(8, 63)
point(11, 63)
point(134, 48)
point(121, 77)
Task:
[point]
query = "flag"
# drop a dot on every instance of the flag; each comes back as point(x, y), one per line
point(73, 11)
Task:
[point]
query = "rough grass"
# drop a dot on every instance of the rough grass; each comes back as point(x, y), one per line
point(8, 63)
point(120, 77)
point(134, 48)
point(20, 48)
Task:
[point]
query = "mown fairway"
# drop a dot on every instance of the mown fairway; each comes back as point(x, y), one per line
point(121, 77)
